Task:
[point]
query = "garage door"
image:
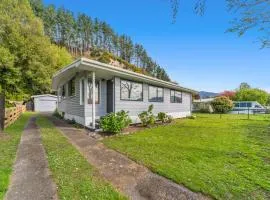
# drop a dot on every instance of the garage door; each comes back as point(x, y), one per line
point(45, 105)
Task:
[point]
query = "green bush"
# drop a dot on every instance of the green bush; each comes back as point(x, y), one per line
point(9, 104)
point(222, 104)
point(147, 117)
point(164, 118)
point(115, 122)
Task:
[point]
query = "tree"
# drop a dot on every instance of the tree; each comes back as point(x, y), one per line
point(252, 94)
point(28, 59)
point(82, 36)
point(222, 104)
point(244, 85)
point(252, 15)
point(229, 94)
point(7, 70)
point(268, 100)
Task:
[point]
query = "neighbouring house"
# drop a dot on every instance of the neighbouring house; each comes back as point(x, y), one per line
point(245, 107)
point(115, 89)
point(203, 105)
point(44, 103)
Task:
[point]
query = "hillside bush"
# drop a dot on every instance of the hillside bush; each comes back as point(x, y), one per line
point(115, 122)
point(222, 104)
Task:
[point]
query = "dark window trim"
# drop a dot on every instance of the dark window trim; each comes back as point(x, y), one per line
point(174, 101)
point(130, 99)
point(63, 90)
point(156, 93)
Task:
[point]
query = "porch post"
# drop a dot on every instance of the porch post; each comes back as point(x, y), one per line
point(86, 96)
point(93, 100)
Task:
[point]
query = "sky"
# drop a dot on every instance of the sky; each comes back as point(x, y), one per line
point(195, 51)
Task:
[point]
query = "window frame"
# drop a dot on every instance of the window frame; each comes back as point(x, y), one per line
point(174, 97)
point(156, 94)
point(140, 100)
point(88, 89)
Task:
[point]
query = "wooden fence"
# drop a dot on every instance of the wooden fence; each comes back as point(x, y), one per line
point(12, 114)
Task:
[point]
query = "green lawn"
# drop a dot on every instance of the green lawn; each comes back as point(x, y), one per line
point(73, 175)
point(226, 158)
point(8, 148)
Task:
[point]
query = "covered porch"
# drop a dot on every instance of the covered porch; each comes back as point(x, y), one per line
point(94, 102)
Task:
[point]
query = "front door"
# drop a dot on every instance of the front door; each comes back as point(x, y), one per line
point(110, 96)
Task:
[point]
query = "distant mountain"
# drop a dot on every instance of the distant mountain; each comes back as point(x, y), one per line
point(205, 95)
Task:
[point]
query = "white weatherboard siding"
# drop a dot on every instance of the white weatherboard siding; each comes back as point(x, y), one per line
point(177, 110)
point(45, 103)
point(71, 105)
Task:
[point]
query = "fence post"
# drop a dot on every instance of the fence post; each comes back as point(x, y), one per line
point(2, 112)
point(248, 112)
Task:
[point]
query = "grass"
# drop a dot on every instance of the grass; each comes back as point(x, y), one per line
point(74, 176)
point(8, 148)
point(227, 158)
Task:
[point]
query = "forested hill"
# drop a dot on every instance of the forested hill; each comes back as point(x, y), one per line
point(92, 38)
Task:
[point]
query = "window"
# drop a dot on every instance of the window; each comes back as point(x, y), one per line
point(155, 94)
point(71, 87)
point(176, 97)
point(82, 91)
point(131, 91)
point(243, 105)
point(63, 91)
point(249, 105)
point(90, 88)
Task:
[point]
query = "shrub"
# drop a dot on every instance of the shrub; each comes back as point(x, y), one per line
point(9, 104)
point(164, 118)
point(222, 104)
point(115, 122)
point(147, 117)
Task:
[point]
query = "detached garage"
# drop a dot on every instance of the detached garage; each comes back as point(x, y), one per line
point(45, 103)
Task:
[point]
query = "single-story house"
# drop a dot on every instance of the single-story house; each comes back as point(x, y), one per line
point(115, 89)
point(44, 103)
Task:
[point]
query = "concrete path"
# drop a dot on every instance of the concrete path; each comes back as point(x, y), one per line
point(31, 178)
point(132, 179)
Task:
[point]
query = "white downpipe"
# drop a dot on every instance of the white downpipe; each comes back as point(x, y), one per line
point(93, 100)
